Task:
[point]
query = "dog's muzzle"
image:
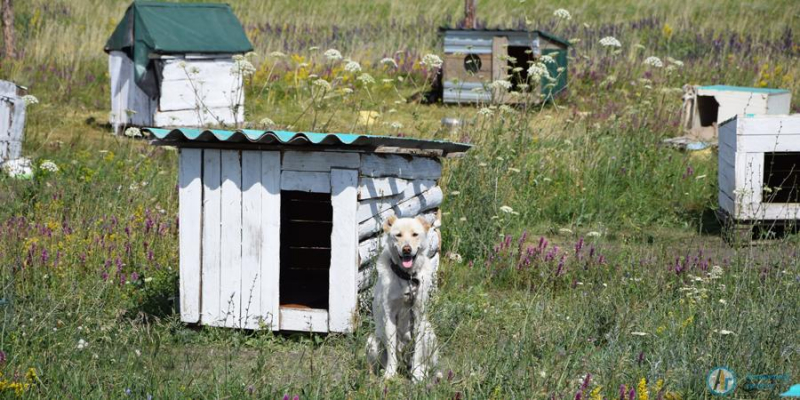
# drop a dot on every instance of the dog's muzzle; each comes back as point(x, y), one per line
point(407, 258)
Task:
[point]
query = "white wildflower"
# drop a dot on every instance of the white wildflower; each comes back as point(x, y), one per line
point(49, 166)
point(562, 14)
point(537, 71)
point(725, 332)
point(82, 344)
point(366, 79)
point(515, 170)
point(485, 112)
point(506, 209)
point(322, 84)
point(455, 257)
point(313, 48)
point(432, 61)
point(505, 109)
point(333, 55)
point(387, 81)
point(133, 132)
point(266, 122)
point(389, 61)
point(548, 59)
point(716, 272)
point(639, 333)
point(347, 91)
point(455, 193)
point(397, 125)
point(29, 99)
point(564, 230)
point(352, 66)
point(182, 64)
point(194, 70)
point(501, 84)
point(242, 67)
point(593, 234)
point(653, 62)
point(610, 41)
point(277, 54)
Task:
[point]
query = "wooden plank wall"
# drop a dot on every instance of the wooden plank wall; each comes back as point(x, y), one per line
point(12, 121)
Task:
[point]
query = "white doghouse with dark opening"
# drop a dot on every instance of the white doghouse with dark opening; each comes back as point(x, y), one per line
point(279, 230)
point(759, 168)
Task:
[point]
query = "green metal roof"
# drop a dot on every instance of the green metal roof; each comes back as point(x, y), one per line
point(208, 137)
point(743, 89)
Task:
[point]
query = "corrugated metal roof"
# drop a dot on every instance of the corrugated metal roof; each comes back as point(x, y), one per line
point(546, 35)
point(211, 136)
point(727, 88)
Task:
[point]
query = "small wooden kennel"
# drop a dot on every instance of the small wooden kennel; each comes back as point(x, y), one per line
point(474, 58)
point(279, 230)
point(709, 105)
point(759, 168)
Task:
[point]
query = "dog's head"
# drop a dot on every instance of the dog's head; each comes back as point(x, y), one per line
point(406, 238)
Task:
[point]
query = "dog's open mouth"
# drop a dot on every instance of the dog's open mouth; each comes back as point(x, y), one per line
point(407, 261)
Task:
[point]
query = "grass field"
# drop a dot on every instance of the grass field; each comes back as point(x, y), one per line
point(584, 259)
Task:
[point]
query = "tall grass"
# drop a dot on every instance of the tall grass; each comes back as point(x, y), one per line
point(580, 255)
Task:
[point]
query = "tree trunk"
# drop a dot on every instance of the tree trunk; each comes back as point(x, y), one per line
point(8, 29)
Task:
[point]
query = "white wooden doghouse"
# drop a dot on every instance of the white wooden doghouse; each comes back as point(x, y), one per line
point(278, 230)
point(709, 105)
point(12, 121)
point(759, 168)
point(171, 64)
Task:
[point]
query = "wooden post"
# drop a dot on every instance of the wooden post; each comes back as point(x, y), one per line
point(8, 29)
point(469, 14)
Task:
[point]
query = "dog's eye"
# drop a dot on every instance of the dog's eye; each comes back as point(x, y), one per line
point(399, 234)
point(416, 234)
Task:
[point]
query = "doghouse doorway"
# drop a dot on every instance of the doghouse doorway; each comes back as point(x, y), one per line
point(305, 256)
point(519, 57)
point(707, 110)
point(782, 177)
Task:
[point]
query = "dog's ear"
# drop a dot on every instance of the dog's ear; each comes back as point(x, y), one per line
point(424, 223)
point(387, 225)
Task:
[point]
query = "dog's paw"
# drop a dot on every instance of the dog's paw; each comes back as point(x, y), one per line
point(389, 375)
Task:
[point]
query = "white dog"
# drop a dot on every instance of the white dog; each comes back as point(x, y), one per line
point(404, 285)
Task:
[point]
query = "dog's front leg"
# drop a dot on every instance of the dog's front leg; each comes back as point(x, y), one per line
point(424, 350)
point(390, 343)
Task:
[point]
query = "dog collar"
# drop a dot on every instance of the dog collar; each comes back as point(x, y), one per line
point(403, 274)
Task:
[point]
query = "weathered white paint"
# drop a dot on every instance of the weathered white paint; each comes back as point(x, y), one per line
point(371, 207)
point(312, 182)
point(318, 161)
point(190, 196)
point(197, 68)
point(212, 207)
point(426, 200)
point(742, 102)
point(365, 277)
point(12, 121)
point(406, 167)
point(370, 188)
point(270, 245)
point(303, 320)
point(198, 118)
point(129, 104)
point(231, 246)
point(252, 237)
point(343, 292)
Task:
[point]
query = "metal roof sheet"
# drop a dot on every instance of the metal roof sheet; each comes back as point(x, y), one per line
point(210, 136)
point(727, 88)
point(546, 35)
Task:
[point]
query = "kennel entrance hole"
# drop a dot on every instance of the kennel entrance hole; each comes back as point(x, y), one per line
point(782, 177)
point(306, 224)
point(522, 57)
point(707, 110)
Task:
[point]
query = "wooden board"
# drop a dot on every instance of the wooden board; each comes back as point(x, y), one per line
point(343, 295)
point(312, 182)
point(369, 208)
point(499, 52)
point(231, 240)
point(208, 92)
point(405, 167)
point(270, 245)
point(212, 116)
point(212, 207)
point(454, 68)
point(209, 68)
point(771, 125)
point(370, 188)
point(252, 236)
point(190, 194)
point(318, 161)
point(303, 320)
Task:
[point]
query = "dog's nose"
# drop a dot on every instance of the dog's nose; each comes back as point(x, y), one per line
point(406, 249)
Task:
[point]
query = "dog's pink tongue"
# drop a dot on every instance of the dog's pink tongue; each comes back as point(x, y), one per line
point(408, 263)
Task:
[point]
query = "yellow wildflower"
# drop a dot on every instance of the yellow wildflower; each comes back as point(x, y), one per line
point(642, 389)
point(667, 31)
point(595, 393)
